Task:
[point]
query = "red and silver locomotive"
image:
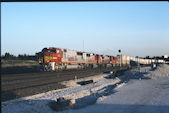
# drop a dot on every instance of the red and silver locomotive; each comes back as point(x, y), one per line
point(58, 58)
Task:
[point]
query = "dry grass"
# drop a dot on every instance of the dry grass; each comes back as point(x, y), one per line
point(13, 63)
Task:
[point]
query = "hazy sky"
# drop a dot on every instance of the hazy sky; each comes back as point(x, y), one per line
point(137, 28)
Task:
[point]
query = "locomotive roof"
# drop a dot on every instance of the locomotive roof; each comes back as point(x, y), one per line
point(78, 51)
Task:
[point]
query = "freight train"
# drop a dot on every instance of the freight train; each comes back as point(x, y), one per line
point(58, 58)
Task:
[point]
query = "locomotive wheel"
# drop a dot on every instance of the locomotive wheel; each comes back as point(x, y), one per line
point(47, 67)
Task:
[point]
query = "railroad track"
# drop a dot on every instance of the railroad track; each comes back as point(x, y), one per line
point(21, 85)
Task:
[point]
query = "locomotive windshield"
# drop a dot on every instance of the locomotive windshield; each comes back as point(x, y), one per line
point(49, 50)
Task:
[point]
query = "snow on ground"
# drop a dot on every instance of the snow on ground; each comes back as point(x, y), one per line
point(139, 94)
point(161, 71)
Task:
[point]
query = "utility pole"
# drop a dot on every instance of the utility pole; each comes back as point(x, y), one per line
point(120, 57)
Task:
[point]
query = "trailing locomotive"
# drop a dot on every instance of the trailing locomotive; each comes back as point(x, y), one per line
point(58, 58)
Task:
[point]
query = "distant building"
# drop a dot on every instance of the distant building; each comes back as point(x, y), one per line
point(164, 56)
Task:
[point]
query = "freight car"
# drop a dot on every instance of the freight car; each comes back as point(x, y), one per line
point(128, 60)
point(57, 58)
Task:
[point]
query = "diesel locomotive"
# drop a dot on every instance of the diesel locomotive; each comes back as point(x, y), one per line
point(57, 58)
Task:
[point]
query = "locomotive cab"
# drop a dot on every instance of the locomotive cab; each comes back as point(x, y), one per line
point(49, 57)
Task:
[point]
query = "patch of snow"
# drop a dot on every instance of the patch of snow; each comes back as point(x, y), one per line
point(162, 70)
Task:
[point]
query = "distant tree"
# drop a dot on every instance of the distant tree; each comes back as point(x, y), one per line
point(9, 56)
point(147, 57)
point(20, 57)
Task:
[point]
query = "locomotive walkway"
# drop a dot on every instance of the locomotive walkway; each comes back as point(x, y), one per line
point(26, 84)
